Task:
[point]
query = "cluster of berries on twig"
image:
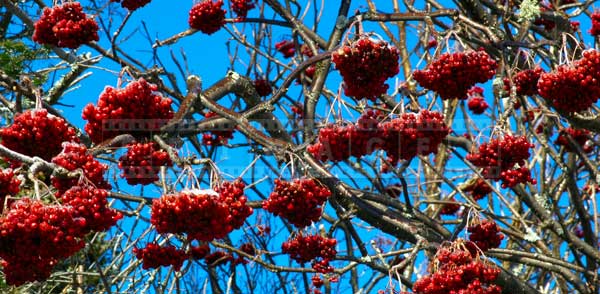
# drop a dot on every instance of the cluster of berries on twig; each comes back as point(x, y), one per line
point(476, 103)
point(202, 216)
point(499, 158)
point(299, 202)
point(241, 8)
point(138, 109)
point(484, 235)
point(76, 157)
point(453, 74)
point(132, 5)
point(524, 81)
point(455, 270)
point(402, 138)
point(35, 132)
point(65, 25)
point(365, 65)
point(311, 248)
point(573, 87)
point(207, 16)
point(141, 164)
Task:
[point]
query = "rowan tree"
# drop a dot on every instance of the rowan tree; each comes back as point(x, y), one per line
point(277, 146)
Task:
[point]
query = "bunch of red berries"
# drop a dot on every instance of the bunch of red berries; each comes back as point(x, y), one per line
point(286, 47)
point(232, 195)
point(65, 25)
point(476, 103)
point(499, 157)
point(339, 142)
point(574, 87)
point(450, 208)
point(202, 216)
point(155, 256)
point(37, 133)
point(218, 136)
point(365, 65)
point(579, 136)
point(9, 186)
point(132, 5)
point(199, 252)
point(305, 248)
point(595, 29)
point(241, 8)
point(457, 271)
point(136, 109)
point(263, 87)
point(299, 202)
point(452, 74)
point(90, 204)
point(525, 81)
point(76, 157)
point(484, 235)
point(413, 134)
point(35, 236)
point(141, 164)
point(207, 16)
point(478, 189)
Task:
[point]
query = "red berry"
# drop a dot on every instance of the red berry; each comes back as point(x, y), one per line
point(241, 8)
point(485, 235)
point(525, 81)
point(577, 135)
point(9, 186)
point(595, 29)
point(286, 47)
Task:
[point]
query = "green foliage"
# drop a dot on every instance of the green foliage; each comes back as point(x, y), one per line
point(16, 56)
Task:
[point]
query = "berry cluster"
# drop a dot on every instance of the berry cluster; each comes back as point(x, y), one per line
point(286, 47)
point(155, 256)
point(305, 248)
point(499, 157)
point(263, 87)
point(484, 235)
point(76, 157)
point(299, 201)
point(241, 8)
point(207, 16)
point(479, 189)
point(132, 5)
point(35, 236)
point(457, 271)
point(450, 208)
point(339, 142)
point(401, 138)
point(525, 82)
point(37, 133)
point(201, 216)
point(476, 103)
point(595, 29)
point(141, 164)
point(579, 136)
point(413, 134)
point(217, 136)
point(90, 204)
point(365, 65)
point(136, 109)
point(452, 74)
point(574, 87)
point(9, 186)
point(65, 25)
point(199, 252)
